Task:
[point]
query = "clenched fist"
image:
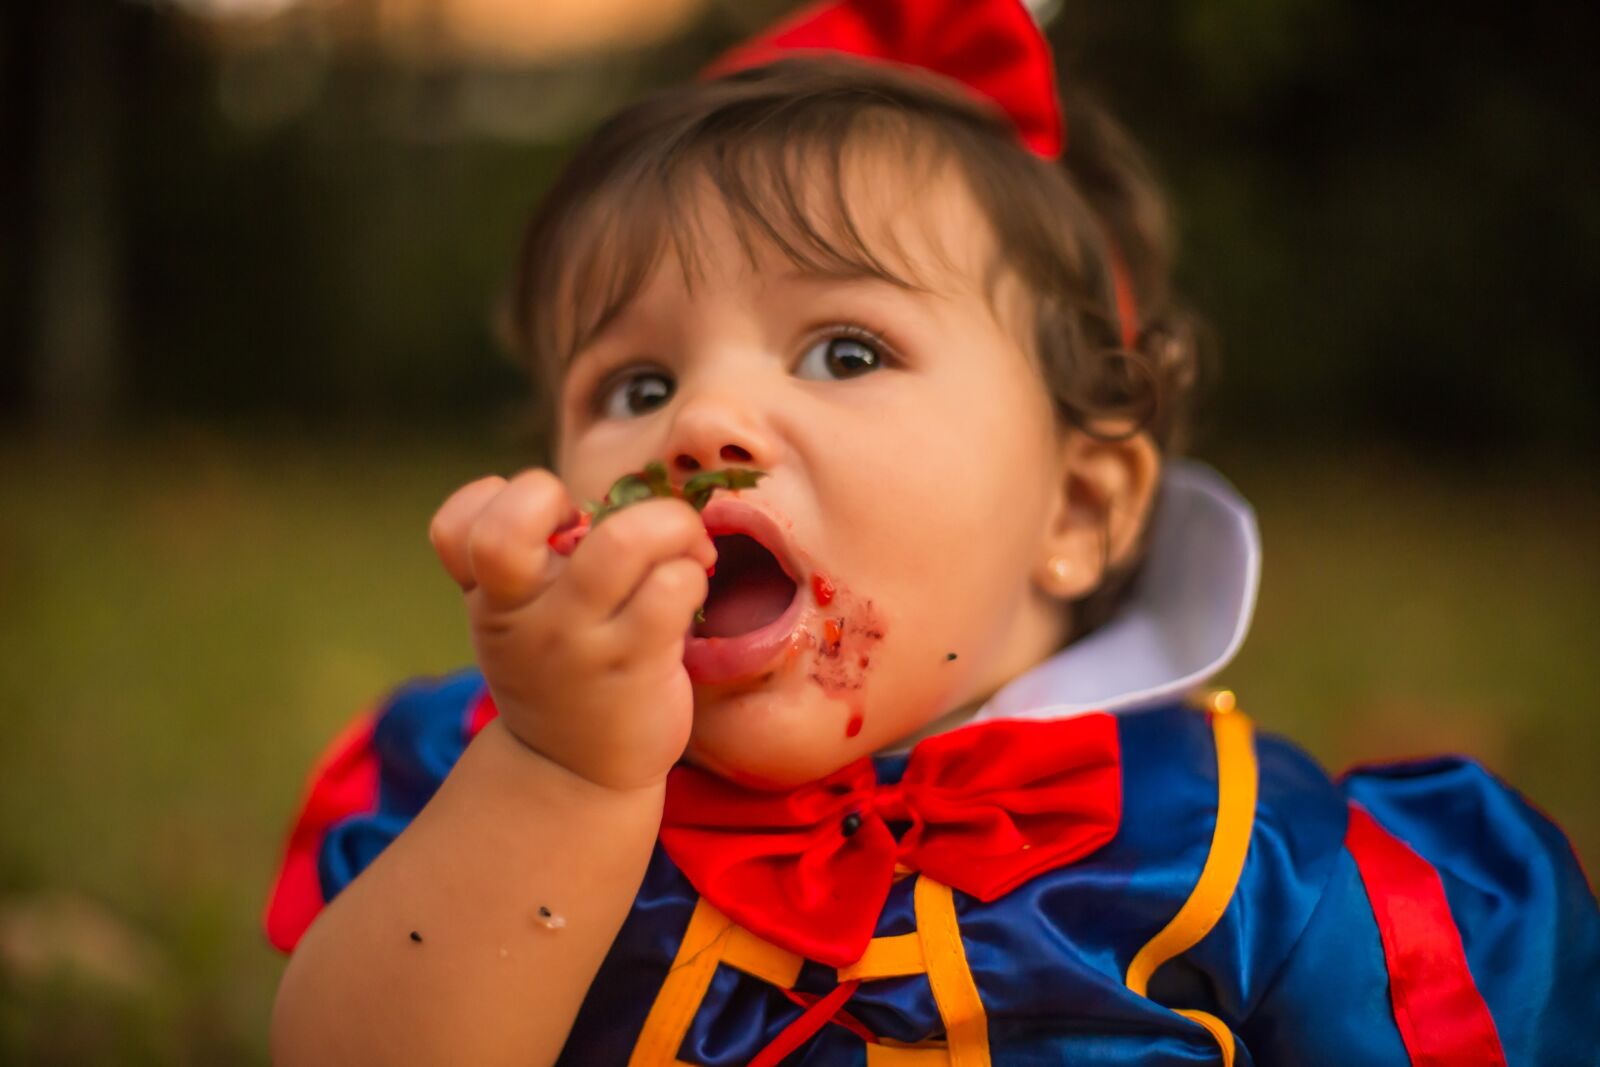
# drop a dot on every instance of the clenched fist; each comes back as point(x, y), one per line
point(584, 656)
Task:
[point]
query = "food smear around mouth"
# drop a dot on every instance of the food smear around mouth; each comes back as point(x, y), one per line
point(841, 652)
point(821, 589)
point(832, 634)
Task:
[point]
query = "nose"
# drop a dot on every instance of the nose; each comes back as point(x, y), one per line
point(720, 430)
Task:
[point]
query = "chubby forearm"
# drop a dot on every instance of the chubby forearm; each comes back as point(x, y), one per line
point(474, 937)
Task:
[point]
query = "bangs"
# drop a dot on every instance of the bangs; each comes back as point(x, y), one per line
point(782, 193)
point(778, 151)
point(815, 162)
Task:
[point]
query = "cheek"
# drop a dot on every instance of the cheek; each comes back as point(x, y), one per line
point(938, 533)
point(590, 461)
point(938, 513)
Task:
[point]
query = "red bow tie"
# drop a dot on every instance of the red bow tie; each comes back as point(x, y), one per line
point(989, 806)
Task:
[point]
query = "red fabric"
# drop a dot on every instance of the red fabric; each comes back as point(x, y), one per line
point(343, 782)
point(1122, 290)
point(1441, 1016)
point(479, 714)
point(989, 806)
point(810, 1021)
point(840, 1017)
point(991, 46)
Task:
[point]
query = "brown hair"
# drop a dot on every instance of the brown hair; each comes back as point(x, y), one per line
point(759, 135)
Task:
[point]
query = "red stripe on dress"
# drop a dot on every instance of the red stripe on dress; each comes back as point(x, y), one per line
point(840, 1017)
point(343, 782)
point(811, 1020)
point(1440, 1013)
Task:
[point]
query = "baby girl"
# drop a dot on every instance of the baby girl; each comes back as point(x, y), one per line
point(884, 741)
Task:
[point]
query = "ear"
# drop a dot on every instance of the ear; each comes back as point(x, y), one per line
point(1104, 491)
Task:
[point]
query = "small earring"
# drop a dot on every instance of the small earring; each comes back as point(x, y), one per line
point(1060, 568)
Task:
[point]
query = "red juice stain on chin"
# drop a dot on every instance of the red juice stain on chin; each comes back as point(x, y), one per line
point(832, 634)
point(821, 589)
point(840, 648)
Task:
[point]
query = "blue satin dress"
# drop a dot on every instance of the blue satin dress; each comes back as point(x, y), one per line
point(1250, 910)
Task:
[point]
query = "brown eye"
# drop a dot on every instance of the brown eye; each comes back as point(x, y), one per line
point(834, 358)
point(636, 394)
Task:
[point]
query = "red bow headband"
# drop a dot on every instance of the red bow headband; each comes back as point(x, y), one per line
point(993, 47)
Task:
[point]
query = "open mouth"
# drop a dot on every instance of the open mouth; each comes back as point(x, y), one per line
point(749, 590)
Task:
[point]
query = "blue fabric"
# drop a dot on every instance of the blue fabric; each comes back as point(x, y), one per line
point(1525, 911)
point(420, 734)
point(1294, 966)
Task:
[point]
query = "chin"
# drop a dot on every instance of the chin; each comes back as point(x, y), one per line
point(773, 738)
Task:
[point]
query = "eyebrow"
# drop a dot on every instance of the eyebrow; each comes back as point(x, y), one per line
point(584, 341)
point(850, 273)
point(796, 275)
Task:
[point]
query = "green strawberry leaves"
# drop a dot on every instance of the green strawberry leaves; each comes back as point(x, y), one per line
point(654, 482)
point(698, 489)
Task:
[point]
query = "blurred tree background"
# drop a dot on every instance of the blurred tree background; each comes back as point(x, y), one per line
point(250, 253)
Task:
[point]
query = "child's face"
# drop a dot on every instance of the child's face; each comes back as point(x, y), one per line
point(913, 463)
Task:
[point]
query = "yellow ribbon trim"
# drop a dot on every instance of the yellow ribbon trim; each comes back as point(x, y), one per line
point(756, 956)
point(956, 994)
point(1219, 877)
point(685, 987)
point(1219, 1031)
point(1230, 840)
point(887, 957)
point(886, 1055)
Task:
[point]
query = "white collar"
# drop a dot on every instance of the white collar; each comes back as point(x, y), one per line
point(1183, 620)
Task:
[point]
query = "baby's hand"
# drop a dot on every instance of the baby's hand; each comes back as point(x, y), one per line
point(584, 657)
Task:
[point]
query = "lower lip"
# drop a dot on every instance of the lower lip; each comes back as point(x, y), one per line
point(719, 660)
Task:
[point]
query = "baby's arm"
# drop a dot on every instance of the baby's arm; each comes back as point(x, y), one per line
point(508, 832)
point(554, 805)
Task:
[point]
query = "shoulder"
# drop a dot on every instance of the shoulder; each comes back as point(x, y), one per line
point(1459, 815)
point(1429, 887)
point(1475, 891)
point(1450, 821)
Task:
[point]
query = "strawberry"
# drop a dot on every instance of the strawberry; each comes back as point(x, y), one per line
point(644, 485)
point(565, 540)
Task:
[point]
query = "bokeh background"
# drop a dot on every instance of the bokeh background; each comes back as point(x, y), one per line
point(249, 257)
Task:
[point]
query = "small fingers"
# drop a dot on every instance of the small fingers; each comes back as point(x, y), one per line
point(453, 521)
point(618, 554)
point(664, 604)
point(506, 547)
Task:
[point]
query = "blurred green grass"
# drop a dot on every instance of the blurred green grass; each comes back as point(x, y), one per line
point(188, 617)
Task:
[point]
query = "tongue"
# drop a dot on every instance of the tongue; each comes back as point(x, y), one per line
point(748, 591)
